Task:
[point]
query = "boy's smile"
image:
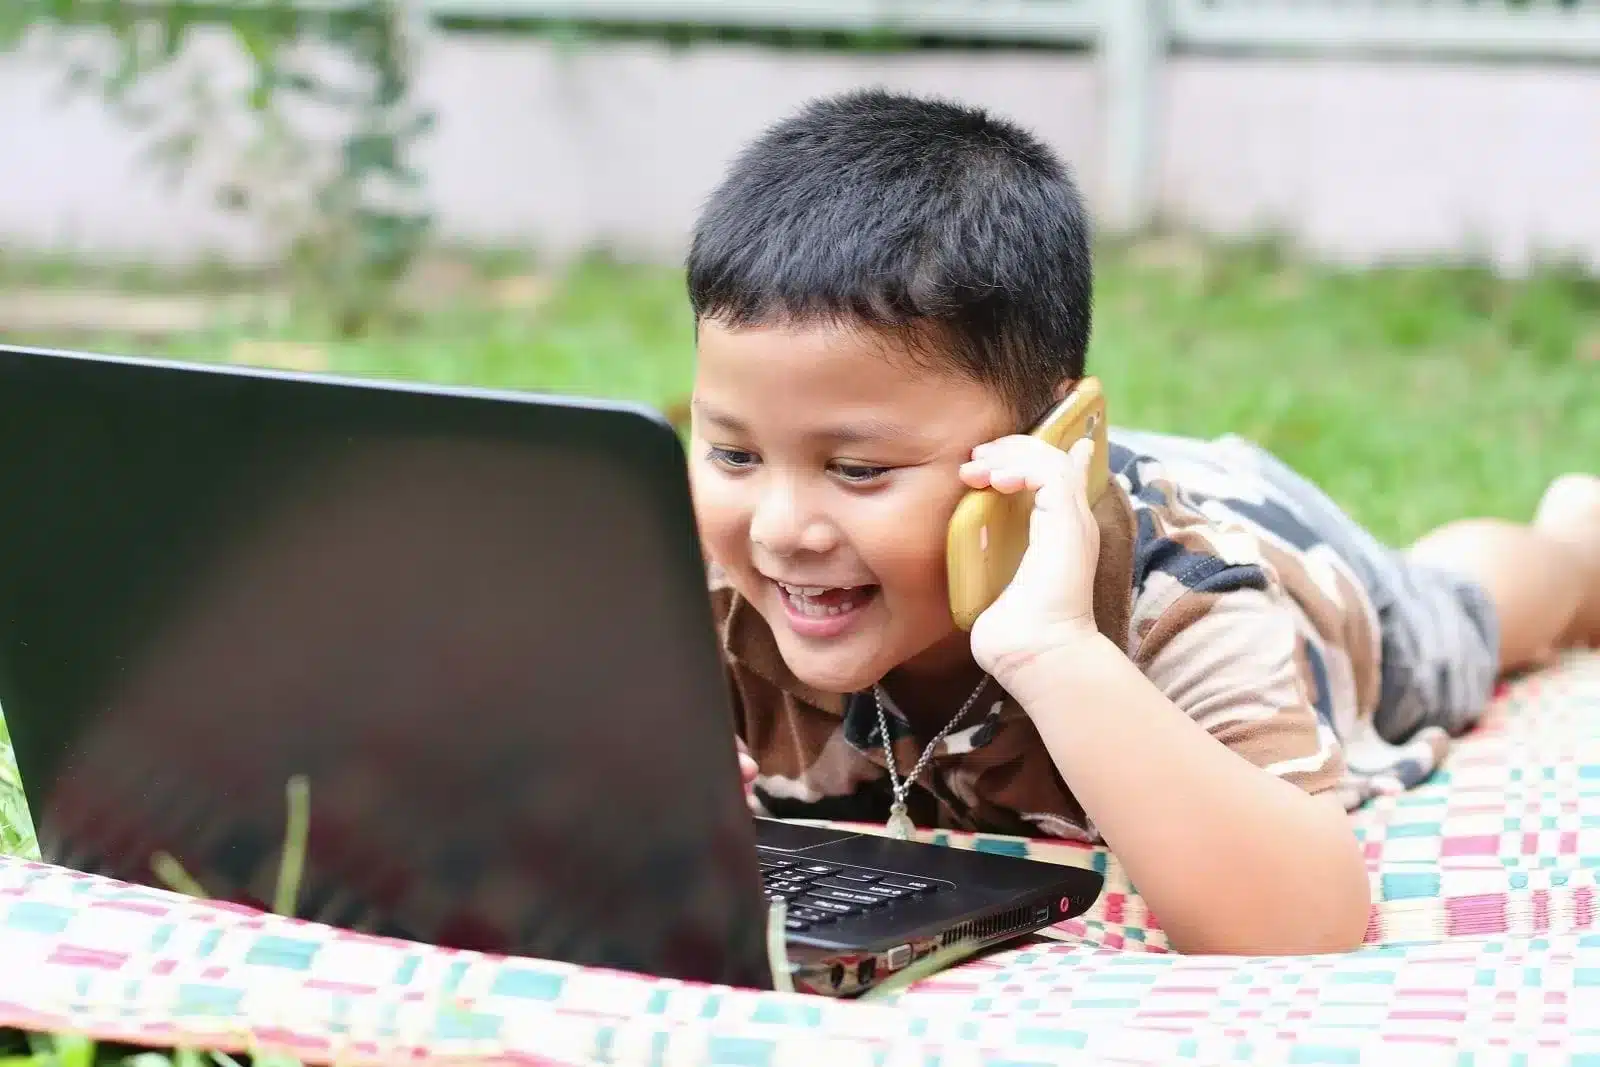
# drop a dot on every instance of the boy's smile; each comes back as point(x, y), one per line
point(824, 611)
point(825, 470)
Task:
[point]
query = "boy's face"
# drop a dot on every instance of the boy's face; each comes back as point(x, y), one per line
point(824, 467)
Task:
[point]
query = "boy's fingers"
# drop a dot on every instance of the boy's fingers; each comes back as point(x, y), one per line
point(1071, 483)
point(1010, 479)
point(748, 768)
point(1013, 464)
point(975, 474)
point(1081, 454)
point(1017, 463)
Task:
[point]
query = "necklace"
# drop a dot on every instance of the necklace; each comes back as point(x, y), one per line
point(899, 824)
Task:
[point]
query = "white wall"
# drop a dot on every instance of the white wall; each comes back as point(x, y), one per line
point(1378, 160)
point(620, 143)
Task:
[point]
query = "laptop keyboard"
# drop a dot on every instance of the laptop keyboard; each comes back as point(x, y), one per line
point(818, 893)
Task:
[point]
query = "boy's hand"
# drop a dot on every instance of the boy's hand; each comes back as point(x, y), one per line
point(747, 764)
point(1050, 601)
point(747, 774)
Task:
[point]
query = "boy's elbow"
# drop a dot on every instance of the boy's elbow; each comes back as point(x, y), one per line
point(1328, 923)
point(1349, 890)
point(1334, 905)
point(1332, 902)
point(1320, 904)
point(1336, 929)
point(1345, 922)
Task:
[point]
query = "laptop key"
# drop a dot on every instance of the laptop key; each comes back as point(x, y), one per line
point(848, 896)
point(819, 868)
point(809, 915)
point(796, 925)
point(830, 907)
point(916, 885)
point(887, 892)
point(856, 876)
point(842, 883)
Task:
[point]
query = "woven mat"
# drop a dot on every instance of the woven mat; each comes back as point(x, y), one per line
point(1482, 949)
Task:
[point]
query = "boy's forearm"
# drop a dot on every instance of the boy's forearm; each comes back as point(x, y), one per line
point(1230, 858)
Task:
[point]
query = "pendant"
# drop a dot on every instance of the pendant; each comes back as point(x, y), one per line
point(900, 825)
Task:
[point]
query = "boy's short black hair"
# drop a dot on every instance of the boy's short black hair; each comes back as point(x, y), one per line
point(958, 230)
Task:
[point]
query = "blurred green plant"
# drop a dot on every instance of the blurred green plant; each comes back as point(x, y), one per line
point(346, 210)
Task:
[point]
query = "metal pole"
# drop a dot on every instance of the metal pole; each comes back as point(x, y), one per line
point(1133, 46)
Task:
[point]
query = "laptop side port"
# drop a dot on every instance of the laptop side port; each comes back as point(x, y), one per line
point(866, 971)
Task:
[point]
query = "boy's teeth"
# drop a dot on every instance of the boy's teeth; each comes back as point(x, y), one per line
point(805, 590)
point(820, 601)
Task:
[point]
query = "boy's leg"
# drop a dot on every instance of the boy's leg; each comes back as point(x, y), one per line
point(1570, 511)
point(1543, 578)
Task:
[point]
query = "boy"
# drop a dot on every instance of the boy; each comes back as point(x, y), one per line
point(1204, 671)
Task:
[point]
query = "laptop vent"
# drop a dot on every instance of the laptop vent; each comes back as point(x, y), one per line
point(998, 925)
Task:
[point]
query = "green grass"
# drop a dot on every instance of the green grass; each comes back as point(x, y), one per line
point(16, 828)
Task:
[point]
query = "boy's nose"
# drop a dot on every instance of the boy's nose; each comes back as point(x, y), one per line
point(782, 526)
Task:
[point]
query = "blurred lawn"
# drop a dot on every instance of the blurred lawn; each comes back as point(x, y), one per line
point(1413, 395)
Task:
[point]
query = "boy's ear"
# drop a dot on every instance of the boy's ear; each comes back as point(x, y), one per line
point(1064, 387)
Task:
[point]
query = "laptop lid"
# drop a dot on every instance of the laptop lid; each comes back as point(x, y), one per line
point(475, 623)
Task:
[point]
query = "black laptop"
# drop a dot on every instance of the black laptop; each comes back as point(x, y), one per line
point(474, 625)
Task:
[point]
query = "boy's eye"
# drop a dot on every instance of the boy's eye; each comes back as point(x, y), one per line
point(855, 472)
point(731, 458)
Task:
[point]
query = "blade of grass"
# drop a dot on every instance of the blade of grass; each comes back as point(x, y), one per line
point(291, 869)
point(170, 871)
point(777, 948)
point(74, 1050)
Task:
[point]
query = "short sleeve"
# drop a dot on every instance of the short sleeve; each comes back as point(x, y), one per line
point(1226, 651)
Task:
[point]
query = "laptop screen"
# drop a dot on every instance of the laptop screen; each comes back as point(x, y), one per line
point(475, 627)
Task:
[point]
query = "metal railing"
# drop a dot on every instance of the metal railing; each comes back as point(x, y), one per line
point(1557, 29)
point(1043, 21)
point(1554, 29)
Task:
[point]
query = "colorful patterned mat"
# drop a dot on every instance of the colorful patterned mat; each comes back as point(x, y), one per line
point(1482, 949)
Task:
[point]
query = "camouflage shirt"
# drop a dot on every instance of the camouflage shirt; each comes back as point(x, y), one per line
point(1268, 641)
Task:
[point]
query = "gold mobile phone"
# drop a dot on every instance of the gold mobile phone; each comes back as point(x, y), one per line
point(989, 531)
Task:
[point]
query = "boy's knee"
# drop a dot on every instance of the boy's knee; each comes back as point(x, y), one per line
point(1517, 566)
point(1528, 576)
point(1468, 541)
